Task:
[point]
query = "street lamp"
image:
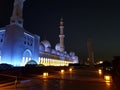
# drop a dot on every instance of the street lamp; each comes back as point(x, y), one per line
point(107, 78)
point(70, 69)
point(100, 71)
point(62, 71)
point(45, 74)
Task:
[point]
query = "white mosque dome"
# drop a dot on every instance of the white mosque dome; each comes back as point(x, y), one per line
point(57, 47)
point(46, 43)
point(58, 53)
point(48, 49)
point(41, 47)
point(53, 51)
point(72, 53)
point(65, 53)
point(62, 54)
point(67, 56)
point(75, 59)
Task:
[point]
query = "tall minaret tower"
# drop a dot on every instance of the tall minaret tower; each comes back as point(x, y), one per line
point(17, 14)
point(61, 36)
point(90, 52)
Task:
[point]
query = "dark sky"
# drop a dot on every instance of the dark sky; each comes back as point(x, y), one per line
point(83, 19)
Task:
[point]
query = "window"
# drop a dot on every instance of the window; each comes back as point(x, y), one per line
point(2, 35)
point(28, 39)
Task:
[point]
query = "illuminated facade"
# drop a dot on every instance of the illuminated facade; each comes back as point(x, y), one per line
point(18, 46)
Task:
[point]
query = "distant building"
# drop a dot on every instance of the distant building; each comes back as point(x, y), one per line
point(19, 47)
point(90, 60)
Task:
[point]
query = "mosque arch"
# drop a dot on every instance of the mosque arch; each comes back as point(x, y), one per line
point(27, 56)
point(27, 52)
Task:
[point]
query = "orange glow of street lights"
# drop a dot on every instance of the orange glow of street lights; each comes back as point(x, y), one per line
point(45, 74)
point(100, 72)
point(70, 69)
point(107, 78)
point(62, 71)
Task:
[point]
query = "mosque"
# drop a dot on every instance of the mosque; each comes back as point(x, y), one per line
point(19, 47)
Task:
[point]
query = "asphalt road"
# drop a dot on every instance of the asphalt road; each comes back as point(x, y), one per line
point(80, 79)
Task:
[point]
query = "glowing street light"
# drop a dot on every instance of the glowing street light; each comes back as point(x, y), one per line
point(70, 69)
point(62, 71)
point(45, 74)
point(107, 78)
point(108, 84)
point(100, 72)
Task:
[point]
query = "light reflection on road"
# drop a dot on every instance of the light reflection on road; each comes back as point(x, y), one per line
point(61, 84)
point(75, 80)
point(45, 81)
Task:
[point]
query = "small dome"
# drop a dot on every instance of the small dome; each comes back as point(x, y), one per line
point(67, 56)
point(41, 47)
point(53, 51)
point(57, 47)
point(48, 49)
point(46, 43)
point(72, 53)
point(75, 59)
point(65, 52)
point(62, 54)
point(58, 53)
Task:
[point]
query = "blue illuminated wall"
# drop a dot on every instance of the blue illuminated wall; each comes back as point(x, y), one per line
point(16, 43)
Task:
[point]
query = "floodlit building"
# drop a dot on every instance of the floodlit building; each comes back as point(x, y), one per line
point(19, 47)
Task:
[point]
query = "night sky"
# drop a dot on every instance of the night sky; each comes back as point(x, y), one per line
point(83, 19)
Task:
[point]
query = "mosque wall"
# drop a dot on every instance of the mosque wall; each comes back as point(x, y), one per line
point(18, 46)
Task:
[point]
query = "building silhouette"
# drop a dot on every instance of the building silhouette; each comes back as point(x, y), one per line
point(90, 60)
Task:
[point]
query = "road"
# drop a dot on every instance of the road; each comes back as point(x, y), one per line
point(80, 79)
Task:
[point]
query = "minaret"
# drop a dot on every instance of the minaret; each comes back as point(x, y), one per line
point(61, 36)
point(17, 14)
point(90, 52)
